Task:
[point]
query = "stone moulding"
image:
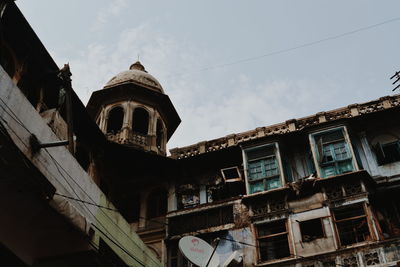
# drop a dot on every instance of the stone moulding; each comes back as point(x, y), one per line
point(292, 125)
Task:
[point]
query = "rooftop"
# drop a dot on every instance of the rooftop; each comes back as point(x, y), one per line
point(293, 125)
point(136, 74)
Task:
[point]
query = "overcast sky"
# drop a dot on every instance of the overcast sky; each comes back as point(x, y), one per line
point(188, 45)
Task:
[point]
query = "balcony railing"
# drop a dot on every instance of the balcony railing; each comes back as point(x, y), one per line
point(128, 138)
point(200, 220)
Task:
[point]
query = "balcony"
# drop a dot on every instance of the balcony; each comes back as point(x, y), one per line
point(129, 138)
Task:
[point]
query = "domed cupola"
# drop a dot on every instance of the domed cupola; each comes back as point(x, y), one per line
point(132, 109)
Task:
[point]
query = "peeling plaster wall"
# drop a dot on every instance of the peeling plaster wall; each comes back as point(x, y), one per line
point(226, 248)
point(317, 246)
point(370, 161)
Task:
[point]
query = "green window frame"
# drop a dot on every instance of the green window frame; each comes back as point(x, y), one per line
point(334, 155)
point(263, 168)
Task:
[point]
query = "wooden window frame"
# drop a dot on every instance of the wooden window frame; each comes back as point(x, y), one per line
point(365, 216)
point(264, 179)
point(315, 148)
point(265, 237)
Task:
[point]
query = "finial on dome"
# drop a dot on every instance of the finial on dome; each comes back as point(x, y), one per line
point(137, 66)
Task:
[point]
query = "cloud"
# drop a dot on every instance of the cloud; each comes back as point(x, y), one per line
point(114, 8)
point(209, 107)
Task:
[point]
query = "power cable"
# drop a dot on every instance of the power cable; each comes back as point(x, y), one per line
point(277, 52)
point(248, 244)
point(104, 207)
point(16, 119)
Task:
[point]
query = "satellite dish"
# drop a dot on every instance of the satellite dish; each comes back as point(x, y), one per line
point(198, 251)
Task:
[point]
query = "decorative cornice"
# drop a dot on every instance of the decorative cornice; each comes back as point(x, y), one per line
point(292, 125)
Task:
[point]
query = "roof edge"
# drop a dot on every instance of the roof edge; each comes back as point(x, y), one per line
point(293, 125)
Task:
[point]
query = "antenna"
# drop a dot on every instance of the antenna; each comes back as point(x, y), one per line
point(198, 251)
point(397, 76)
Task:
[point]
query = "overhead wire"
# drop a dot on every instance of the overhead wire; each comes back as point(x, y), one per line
point(107, 208)
point(281, 51)
point(16, 119)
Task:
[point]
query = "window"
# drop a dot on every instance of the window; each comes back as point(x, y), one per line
point(195, 221)
point(333, 153)
point(175, 257)
point(115, 120)
point(272, 241)
point(311, 230)
point(351, 224)
point(160, 134)
point(188, 196)
point(157, 204)
point(263, 168)
point(140, 121)
point(387, 153)
point(231, 174)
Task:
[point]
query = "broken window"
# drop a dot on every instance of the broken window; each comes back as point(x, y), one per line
point(263, 168)
point(231, 174)
point(351, 224)
point(115, 120)
point(272, 240)
point(333, 152)
point(387, 153)
point(188, 196)
point(140, 121)
point(311, 230)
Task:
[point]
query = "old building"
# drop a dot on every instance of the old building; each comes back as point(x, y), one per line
point(316, 191)
point(53, 210)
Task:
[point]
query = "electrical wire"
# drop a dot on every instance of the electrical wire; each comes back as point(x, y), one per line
point(248, 244)
point(107, 208)
point(282, 51)
point(16, 119)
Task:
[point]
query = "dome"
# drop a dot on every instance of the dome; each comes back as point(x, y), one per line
point(136, 75)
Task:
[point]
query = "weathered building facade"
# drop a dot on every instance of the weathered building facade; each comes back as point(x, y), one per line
point(316, 191)
point(53, 210)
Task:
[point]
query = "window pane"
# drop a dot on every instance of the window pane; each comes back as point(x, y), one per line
point(256, 186)
point(328, 171)
point(261, 152)
point(341, 151)
point(273, 183)
point(255, 170)
point(345, 166)
point(391, 152)
point(311, 230)
point(349, 212)
point(276, 247)
point(332, 136)
point(271, 228)
point(271, 167)
point(328, 155)
point(353, 231)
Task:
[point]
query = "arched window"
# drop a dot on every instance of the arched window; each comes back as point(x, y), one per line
point(160, 133)
point(140, 121)
point(115, 120)
point(157, 204)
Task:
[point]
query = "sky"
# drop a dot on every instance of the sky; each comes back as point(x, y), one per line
point(229, 66)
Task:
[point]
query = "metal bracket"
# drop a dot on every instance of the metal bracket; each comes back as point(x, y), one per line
point(36, 145)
